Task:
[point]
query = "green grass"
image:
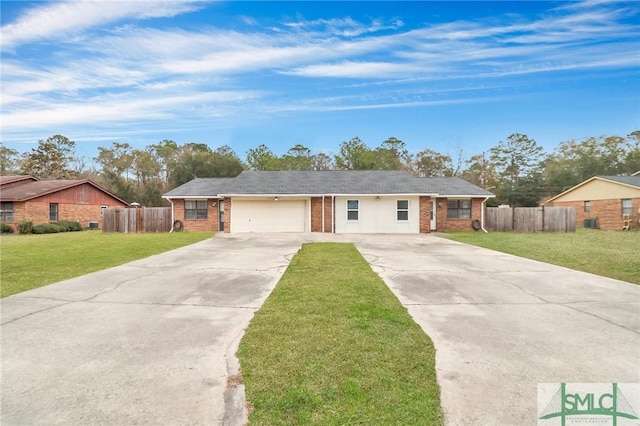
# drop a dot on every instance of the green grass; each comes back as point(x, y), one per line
point(613, 254)
point(30, 261)
point(333, 346)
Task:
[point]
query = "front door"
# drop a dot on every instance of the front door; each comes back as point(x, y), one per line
point(433, 215)
point(221, 215)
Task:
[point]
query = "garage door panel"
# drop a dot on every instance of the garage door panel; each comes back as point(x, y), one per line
point(268, 216)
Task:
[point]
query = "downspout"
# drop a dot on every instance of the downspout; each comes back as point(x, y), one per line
point(172, 215)
point(482, 207)
point(333, 214)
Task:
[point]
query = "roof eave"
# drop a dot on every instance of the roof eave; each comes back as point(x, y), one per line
point(191, 197)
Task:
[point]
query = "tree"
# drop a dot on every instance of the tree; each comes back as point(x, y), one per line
point(261, 158)
point(322, 161)
point(515, 158)
point(429, 163)
point(573, 162)
point(165, 152)
point(227, 151)
point(298, 157)
point(8, 161)
point(392, 155)
point(198, 161)
point(51, 159)
point(632, 162)
point(355, 155)
point(480, 171)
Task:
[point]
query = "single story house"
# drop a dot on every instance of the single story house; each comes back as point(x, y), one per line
point(328, 201)
point(613, 201)
point(43, 201)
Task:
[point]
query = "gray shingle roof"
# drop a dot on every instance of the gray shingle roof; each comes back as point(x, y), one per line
point(629, 180)
point(330, 182)
point(325, 182)
point(454, 186)
point(200, 187)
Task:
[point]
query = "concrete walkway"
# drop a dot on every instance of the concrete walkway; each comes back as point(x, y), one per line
point(151, 342)
point(502, 324)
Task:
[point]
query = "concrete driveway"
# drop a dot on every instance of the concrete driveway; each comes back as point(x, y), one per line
point(150, 342)
point(502, 324)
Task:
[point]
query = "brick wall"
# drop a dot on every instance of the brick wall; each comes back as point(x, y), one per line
point(608, 212)
point(38, 212)
point(80, 203)
point(316, 214)
point(443, 223)
point(425, 215)
point(227, 215)
point(208, 224)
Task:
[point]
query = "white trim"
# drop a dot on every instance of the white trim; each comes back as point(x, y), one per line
point(193, 197)
point(173, 220)
point(408, 210)
point(347, 210)
point(421, 194)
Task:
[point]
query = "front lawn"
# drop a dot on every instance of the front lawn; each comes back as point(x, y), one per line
point(613, 254)
point(30, 261)
point(333, 346)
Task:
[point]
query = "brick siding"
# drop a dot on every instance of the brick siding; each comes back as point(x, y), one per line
point(425, 215)
point(316, 214)
point(608, 212)
point(80, 204)
point(227, 215)
point(208, 224)
point(444, 223)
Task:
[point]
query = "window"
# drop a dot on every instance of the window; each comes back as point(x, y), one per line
point(352, 209)
point(53, 212)
point(195, 209)
point(459, 209)
point(402, 210)
point(587, 206)
point(6, 212)
point(626, 206)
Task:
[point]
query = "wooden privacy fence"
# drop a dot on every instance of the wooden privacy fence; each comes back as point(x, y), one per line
point(145, 219)
point(531, 219)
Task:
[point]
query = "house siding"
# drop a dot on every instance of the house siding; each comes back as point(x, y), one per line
point(444, 223)
point(377, 215)
point(608, 212)
point(316, 214)
point(205, 225)
point(425, 215)
point(227, 215)
point(81, 204)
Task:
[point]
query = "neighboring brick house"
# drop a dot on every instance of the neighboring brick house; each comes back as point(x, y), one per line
point(43, 201)
point(614, 201)
point(328, 201)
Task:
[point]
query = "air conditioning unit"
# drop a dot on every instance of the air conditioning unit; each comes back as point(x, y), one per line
point(590, 223)
point(93, 225)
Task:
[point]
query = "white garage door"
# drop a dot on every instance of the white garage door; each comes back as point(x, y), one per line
point(268, 216)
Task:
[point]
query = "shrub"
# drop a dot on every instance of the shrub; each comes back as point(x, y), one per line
point(25, 227)
point(69, 225)
point(6, 229)
point(48, 228)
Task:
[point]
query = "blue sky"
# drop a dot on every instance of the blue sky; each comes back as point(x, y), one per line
point(448, 76)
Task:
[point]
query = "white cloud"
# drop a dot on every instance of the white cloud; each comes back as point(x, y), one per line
point(351, 69)
point(61, 19)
